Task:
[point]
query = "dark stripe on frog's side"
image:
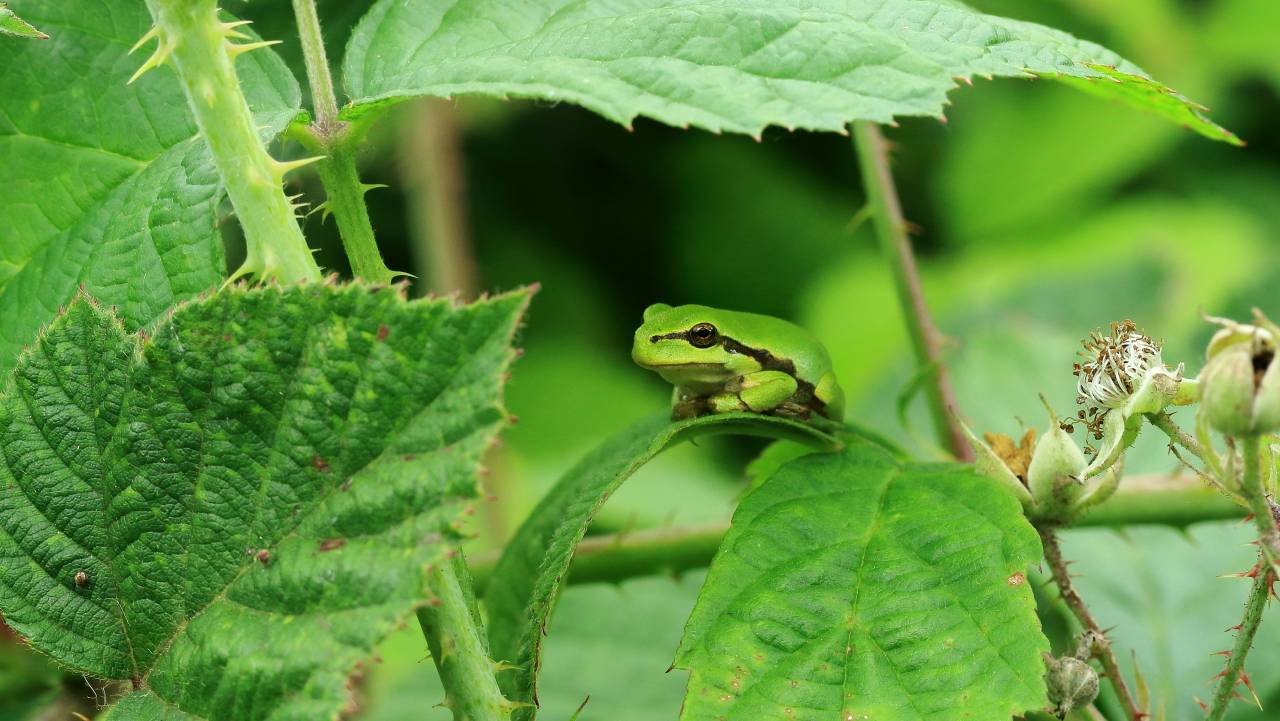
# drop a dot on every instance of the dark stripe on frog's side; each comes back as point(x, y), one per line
point(804, 394)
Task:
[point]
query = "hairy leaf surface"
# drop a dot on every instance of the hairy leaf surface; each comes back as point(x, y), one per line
point(853, 585)
point(727, 66)
point(526, 583)
point(106, 184)
point(230, 512)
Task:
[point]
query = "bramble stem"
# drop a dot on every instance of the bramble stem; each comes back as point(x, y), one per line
point(1164, 422)
point(891, 229)
point(1102, 649)
point(1251, 489)
point(199, 45)
point(673, 550)
point(336, 141)
point(324, 101)
point(451, 625)
point(1244, 640)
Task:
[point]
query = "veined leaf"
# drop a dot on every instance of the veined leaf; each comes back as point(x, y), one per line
point(106, 184)
point(248, 497)
point(526, 582)
point(853, 585)
point(11, 24)
point(727, 66)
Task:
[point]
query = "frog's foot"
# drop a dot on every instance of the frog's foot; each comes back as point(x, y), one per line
point(765, 391)
point(789, 409)
point(690, 407)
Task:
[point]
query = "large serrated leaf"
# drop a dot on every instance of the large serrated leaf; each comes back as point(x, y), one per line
point(525, 585)
point(727, 66)
point(854, 586)
point(106, 185)
point(247, 498)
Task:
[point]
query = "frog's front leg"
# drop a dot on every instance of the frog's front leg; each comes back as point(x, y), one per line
point(760, 392)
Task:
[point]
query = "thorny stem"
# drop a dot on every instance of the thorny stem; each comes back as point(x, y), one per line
point(336, 141)
point(1164, 422)
point(1244, 640)
point(199, 45)
point(1102, 649)
point(891, 228)
point(451, 624)
point(1251, 487)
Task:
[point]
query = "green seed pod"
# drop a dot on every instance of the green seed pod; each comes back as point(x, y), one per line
point(1054, 475)
point(1241, 383)
point(1071, 683)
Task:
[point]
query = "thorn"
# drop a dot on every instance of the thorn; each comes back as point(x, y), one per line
point(229, 30)
point(366, 187)
point(288, 166)
point(237, 50)
point(1244, 679)
point(150, 35)
point(156, 60)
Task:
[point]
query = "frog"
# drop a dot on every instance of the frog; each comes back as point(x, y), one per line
point(724, 361)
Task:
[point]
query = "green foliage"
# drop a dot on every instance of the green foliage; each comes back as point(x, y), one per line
point(249, 495)
point(106, 184)
point(612, 642)
point(526, 582)
point(1161, 590)
point(852, 585)
point(796, 65)
point(11, 24)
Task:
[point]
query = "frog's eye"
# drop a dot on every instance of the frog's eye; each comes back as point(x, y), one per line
point(703, 335)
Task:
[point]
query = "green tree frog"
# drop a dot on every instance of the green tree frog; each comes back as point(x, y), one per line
point(721, 361)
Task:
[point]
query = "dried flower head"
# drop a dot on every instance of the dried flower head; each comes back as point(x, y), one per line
point(1118, 363)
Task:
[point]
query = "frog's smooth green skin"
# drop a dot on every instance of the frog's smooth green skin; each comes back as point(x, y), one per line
point(722, 361)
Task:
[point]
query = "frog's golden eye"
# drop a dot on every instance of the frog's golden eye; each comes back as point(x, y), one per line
point(703, 335)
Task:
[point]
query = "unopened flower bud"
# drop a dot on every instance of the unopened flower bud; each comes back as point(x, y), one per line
point(1241, 383)
point(1054, 475)
point(1071, 683)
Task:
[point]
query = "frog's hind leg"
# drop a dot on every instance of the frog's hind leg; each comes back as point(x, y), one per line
point(829, 392)
point(760, 392)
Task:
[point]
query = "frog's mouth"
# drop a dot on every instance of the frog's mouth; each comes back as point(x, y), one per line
point(688, 365)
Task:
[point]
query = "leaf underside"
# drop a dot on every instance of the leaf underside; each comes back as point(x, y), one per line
point(106, 185)
point(855, 586)
point(735, 67)
point(526, 582)
point(231, 511)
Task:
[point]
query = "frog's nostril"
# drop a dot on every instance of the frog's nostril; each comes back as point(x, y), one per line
point(654, 338)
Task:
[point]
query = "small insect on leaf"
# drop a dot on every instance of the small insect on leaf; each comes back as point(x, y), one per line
point(82, 579)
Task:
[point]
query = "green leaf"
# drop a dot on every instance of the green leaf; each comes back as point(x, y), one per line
point(852, 585)
point(1162, 590)
point(736, 67)
point(106, 184)
point(11, 24)
point(247, 496)
point(526, 582)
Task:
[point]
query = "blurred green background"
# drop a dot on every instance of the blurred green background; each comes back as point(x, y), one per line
point(1041, 213)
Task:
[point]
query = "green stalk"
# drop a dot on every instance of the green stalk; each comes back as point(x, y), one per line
point(891, 229)
point(200, 47)
point(1244, 641)
point(451, 625)
point(1251, 489)
point(336, 141)
point(613, 558)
